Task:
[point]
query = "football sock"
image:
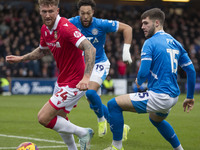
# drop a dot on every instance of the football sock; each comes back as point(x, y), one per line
point(167, 132)
point(117, 144)
point(105, 112)
point(61, 125)
point(116, 119)
point(95, 102)
point(179, 147)
point(101, 119)
point(69, 141)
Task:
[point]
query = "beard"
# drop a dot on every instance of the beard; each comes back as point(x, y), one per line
point(151, 32)
point(86, 24)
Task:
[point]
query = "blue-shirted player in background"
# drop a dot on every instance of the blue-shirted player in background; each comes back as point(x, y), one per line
point(95, 30)
point(161, 54)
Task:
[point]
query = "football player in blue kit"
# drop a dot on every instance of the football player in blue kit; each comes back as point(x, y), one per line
point(160, 57)
point(95, 30)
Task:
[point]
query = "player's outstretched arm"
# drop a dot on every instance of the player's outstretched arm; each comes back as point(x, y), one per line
point(191, 80)
point(89, 53)
point(35, 54)
point(188, 104)
point(127, 34)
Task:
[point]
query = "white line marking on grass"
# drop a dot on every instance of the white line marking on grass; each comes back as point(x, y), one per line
point(7, 148)
point(51, 146)
point(35, 139)
point(29, 138)
point(40, 147)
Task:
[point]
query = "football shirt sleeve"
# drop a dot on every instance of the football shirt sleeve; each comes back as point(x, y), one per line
point(110, 25)
point(72, 34)
point(188, 67)
point(43, 44)
point(146, 59)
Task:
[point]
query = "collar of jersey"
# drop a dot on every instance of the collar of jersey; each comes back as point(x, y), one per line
point(159, 31)
point(56, 23)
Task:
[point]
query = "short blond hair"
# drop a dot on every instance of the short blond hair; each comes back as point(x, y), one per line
point(49, 2)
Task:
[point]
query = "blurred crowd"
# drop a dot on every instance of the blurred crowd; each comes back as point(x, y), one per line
point(20, 34)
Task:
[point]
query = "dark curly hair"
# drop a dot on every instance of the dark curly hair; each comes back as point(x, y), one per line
point(86, 3)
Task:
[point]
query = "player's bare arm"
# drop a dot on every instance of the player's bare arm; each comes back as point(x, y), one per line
point(35, 54)
point(89, 53)
point(127, 34)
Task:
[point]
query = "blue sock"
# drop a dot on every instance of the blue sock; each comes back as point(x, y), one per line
point(105, 112)
point(167, 132)
point(116, 119)
point(95, 102)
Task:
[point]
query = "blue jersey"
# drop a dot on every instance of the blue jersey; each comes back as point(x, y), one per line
point(96, 34)
point(164, 54)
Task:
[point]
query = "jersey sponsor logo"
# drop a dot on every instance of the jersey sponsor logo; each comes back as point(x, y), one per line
point(93, 40)
point(77, 34)
point(57, 44)
point(45, 33)
point(95, 31)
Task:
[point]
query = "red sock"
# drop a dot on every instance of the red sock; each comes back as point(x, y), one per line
point(52, 123)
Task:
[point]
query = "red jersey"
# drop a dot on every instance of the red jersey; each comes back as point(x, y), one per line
point(63, 41)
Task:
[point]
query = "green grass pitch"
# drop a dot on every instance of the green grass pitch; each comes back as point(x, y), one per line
point(18, 123)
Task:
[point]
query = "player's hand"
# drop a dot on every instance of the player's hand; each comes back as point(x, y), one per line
point(138, 86)
point(14, 59)
point(83, 84)
point(188, 104)
point(126, 55)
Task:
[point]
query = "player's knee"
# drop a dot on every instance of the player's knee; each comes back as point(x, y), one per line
point(42, 120)
point(113, 106)
point(90, 93)
point(156, 124)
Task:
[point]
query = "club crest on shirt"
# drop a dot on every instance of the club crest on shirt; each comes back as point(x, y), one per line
point(95, 31)
point(55, 35)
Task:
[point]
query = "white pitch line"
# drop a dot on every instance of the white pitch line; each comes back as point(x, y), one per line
point(40, 147)
point(51, 146)
point(35, 139)
point(29, 138)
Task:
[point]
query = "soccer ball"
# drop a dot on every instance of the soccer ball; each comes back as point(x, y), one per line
point(27, 146)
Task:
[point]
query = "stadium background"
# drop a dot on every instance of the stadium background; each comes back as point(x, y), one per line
point(19, 33)
point(20, 25)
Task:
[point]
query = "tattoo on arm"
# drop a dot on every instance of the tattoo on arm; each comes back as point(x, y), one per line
point(36, 54)
point(89, 53)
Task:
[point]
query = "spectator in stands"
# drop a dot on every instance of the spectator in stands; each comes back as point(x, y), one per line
point(184, 27)
point(4, 86)
point(108, 86)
